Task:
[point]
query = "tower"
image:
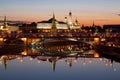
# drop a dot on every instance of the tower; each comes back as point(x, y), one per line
point(70, 20)
point(53, 24)
point(76, 21)
point(93, 25)
point(5, 22)
point(96, 28)
point(76, 24)
point(66, 20)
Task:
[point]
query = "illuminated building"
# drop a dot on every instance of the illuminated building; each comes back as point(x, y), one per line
point(76, 25)
point(70, 23)
point(8, 27)
point(5, 23)
point(4, 27)
point(52, 24)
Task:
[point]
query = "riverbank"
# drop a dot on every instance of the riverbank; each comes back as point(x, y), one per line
point(109, 52)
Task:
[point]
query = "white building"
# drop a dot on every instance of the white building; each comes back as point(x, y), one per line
point(9, 28)
point(71, 24)
point(49, 24)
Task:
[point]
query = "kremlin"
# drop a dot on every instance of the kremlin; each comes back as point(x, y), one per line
point(59, 39)
point(52, 24)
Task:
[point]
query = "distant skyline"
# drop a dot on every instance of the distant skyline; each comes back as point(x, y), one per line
point(86, 11)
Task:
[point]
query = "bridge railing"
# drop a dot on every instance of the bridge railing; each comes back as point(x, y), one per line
point(58, 34)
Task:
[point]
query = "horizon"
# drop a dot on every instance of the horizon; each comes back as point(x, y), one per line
point(87, 11)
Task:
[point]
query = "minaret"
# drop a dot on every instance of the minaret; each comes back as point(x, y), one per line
point(53, 24)
point(5, 22)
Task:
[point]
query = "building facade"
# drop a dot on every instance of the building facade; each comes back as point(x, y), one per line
point(52, 24)
point(8, 28)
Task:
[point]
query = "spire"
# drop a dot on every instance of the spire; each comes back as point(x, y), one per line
point(53, 23)
point(93, 24)
point(96, 28)
point(5, 22)
point(53, 16)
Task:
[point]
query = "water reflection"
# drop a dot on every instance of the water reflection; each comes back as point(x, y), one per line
point(56, 58)
point(53, 51)
point(5, 59)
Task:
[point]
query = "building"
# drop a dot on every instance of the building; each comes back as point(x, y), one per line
point(52, 24)
point(68, 24)
point(76, 25)
point(72, 25)
point(112, 28)
point(8, 28)
point(28, 28)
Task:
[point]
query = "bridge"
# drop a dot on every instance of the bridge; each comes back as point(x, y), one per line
point(35, 37)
